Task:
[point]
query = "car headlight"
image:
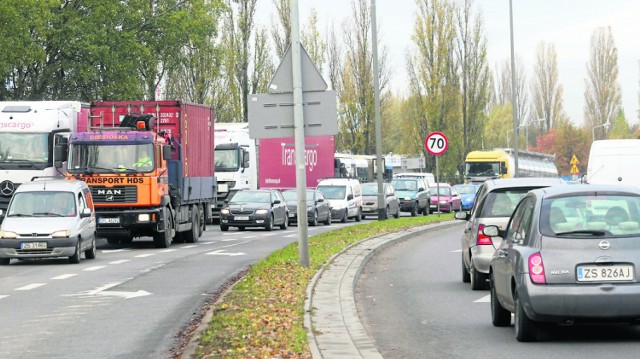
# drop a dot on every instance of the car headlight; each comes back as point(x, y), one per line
point(144, 217)
point(407, 198)
point(61, 234)
point(262, 211)
point(8, 235)
point(309, 208)
point(224, 211)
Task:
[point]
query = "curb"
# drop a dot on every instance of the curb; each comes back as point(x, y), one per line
point(330, 318)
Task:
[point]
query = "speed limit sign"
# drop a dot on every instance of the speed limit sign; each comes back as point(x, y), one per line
point(436, 143)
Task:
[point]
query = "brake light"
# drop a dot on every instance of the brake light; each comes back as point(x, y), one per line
point(483, 240)
point(536, 269)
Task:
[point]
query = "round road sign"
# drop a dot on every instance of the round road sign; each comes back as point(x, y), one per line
point(436, 143)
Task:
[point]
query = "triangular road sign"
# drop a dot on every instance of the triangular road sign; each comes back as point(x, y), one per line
point(574, 169)
point(574, 160)
point(282, 80)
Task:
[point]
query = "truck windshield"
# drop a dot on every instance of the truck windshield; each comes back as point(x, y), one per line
point(29, 147)
point(226, 160)
point(111, 158)
point(473, 169)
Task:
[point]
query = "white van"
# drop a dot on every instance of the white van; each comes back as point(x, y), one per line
point(345, 197)
point(614, 161)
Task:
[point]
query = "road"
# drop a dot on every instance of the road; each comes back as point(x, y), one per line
point(413, 304)
point(131, 301)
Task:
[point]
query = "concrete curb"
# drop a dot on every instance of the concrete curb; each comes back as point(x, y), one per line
point(331, 319)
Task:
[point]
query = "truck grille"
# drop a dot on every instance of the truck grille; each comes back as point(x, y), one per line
point(122, 194)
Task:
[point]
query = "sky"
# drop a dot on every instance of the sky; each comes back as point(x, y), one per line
point(568, 24)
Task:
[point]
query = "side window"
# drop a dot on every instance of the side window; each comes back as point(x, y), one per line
point(82, 204)
point(520, 223)
point(479, 198)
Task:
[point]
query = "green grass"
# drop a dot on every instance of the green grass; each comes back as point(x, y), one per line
point(262, 316)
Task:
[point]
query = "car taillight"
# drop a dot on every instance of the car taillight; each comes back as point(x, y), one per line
point(536, 269)
point(483, 240)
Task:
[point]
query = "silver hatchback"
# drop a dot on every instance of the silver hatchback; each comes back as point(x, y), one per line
point(494, 204)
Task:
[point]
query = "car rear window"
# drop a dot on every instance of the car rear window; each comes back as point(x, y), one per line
point(501, 202)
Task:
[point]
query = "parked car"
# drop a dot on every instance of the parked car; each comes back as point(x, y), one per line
point(370, 200)
point(570, 254)
point(445, 198)
point(413, 193)
point(345, 197)
point(318, 208)
point(467, 194)
point(494, 204)
point(255, 208)
point(49, 218)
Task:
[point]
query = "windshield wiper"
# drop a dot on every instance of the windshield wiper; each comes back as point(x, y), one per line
point(49, 214)
point(583, 231)
point(20, 215)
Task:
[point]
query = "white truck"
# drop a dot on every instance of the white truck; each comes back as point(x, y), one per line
point(614, 161)
point(236, 165)
point(32, 135)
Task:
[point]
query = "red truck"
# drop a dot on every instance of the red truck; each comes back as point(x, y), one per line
point(149, 167)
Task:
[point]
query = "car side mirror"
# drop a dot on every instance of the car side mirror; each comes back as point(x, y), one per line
point(320, 200)
point(420, 189)
point(493, 231)
point(349, 197)
point(86, 212)
point(166, 152)
point(277, 201)
point(462, 215)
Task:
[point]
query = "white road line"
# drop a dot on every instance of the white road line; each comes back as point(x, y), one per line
point(269, 235)
point(167, 250)
point(64, 276)
point(456, 251)
point(208, 242)
point(94, 268)
point(3, 296)
point(291, 235)
point(31, 286)
point(248, 237)
point(145, 255)
point(485, 299)
point(107, 251)
point(119, 261)
point(229, 239)
point(191, 246)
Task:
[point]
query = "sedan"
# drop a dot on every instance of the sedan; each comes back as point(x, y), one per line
point(370, 200)
point(570, 254)
point(255, 208)
point(318, 209)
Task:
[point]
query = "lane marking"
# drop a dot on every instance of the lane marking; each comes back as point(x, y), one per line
point(485, 299)
point(145, 255)
point(291, 236)
point(456, 251)
point(107, 251)
point(64, 276)
point(229, 239)
point(269, 235)
point(191, 246)
point(3, 296)
point(91, 269)
point(168, 250)
point(209, 242)
point(119, 261)
point(31, 286)
point(248, 237)
point(221, 252)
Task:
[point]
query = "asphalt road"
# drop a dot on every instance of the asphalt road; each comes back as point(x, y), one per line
point(131, 301)
point(413, 304)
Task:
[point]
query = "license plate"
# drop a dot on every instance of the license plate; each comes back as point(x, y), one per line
point(241, 218)
point(33, 245)
point(291, 215)
point(605, 273)
point(105, 220)
point(223, 187)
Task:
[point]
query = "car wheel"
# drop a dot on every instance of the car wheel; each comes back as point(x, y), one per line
point(285, 225)
point(269, 225)
point(5, 261)
point(75, 258)
point(328, 221)
point(397, 215)
point(478, 279)
point(91, 252)
point(466, 277)
point(314, 219)
point(414, 210)
point(526, 329)
point(224, 228)
point(359, 215)
point(344, 218)
point(425, 211)
point(500, 317)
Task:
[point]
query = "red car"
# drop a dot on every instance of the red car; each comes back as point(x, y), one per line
point(448, 197)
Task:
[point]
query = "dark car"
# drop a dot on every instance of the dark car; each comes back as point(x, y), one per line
point(318, 208)
point(255, 208)
point(570, 254)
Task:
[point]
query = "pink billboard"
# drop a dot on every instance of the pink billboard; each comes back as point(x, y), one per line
point(277, 161)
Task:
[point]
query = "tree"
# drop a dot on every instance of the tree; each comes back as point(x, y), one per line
point(496, 130)
point(504, 88)
point(602, 91)
point(281, 30)
point(620, 127)
point(313, 42)
point(546, 91)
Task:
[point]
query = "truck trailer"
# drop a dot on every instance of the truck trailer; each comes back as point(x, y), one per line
point(149, 167)
point(30, 131)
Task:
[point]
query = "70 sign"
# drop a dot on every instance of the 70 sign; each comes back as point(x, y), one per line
point(436, 143)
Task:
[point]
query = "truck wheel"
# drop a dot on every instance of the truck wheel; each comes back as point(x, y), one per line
point(91, 252)
point(191, 236)
point(163, 240)
point(75, 258)
point(203, 221)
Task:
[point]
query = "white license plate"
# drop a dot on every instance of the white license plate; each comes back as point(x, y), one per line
point(241, 218)
point(104, 220)
point(291, 215)
point(605, 273)
point(223, 187)
point(33, 245)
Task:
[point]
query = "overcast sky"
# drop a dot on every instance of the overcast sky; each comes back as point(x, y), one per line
point(566, 23)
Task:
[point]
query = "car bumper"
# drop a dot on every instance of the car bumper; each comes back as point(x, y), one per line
point(407, 206)
point(59, 247)
point(443, 207)
point(293, 217)
point(338, 213)
point(584, 302)
point(481, 257)
point(251, 221)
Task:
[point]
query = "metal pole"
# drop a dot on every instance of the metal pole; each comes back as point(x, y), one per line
point(382, 208)
point(437, 187)
point(298, 121)
point(514, 102)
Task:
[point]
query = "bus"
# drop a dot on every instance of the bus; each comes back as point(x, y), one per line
point(362, 167)
point(480, 166)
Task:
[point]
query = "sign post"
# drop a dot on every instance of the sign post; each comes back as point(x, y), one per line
point(436, 144)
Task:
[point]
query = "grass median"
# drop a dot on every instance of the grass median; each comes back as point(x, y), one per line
point(262, 315)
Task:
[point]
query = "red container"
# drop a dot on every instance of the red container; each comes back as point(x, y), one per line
point(189, 124)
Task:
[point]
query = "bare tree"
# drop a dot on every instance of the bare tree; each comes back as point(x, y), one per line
point(602, 91)
point(504, 88)
point(546, 91)
point(281, 30)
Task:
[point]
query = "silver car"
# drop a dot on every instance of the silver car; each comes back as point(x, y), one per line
point(570, 254)
point(370, 200)
point(494, 204)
